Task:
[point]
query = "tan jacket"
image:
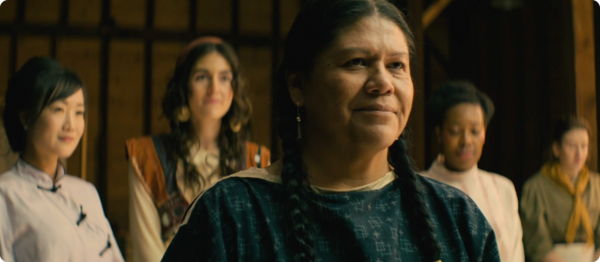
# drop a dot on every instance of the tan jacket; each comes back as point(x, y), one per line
point(545, 211)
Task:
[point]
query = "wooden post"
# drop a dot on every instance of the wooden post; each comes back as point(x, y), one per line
point(83, 163)
point(417, 116)
point(433, 12)
point(585, 71)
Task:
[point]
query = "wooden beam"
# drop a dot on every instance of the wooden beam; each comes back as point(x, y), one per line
point(12, 63)
point(147, 102)
point(276, 36)
point(416, 123)
point(108, 30)
point(21, 11)
point(235, 23)
point(193, 16)
point(585, 71)
point(64, 11)
point(433, 12)
point(83, 165)
point(597, 57)
point(102, 175)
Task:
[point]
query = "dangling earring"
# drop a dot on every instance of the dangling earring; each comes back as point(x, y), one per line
point(25, 127)
point(298, 119)
point(183, 114)
point(235, 127)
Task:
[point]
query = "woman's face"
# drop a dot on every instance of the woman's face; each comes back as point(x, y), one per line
point(360, 89)
point(211, 92)
point(573, 149)
point(462, 136)
point(59, 127)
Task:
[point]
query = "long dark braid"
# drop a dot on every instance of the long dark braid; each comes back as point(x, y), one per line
point(293, 178)
point(318, 24)
point(413, 200)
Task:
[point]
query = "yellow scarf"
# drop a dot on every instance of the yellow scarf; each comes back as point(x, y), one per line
point(579, 214)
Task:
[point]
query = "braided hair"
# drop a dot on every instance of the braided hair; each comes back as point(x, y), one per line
point(316, 26)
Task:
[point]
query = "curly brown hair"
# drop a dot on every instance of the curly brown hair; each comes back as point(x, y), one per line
point(229, 141)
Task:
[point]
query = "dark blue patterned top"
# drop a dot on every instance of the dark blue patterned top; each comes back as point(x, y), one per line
point(242, 219)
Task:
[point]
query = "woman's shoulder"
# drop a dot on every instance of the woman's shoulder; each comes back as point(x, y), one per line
point(257, 155)
point(134, 144)
point(253, 144)
point(594, 175)
point(459, 204)
point(78, 182)
point(80, 187)
point(254, 184)
point(443, 191)
point(10, 180)
point(450, 206)
point(537, 179)
point(594, 179)
point(247, 181)
point(139, 139)
point(504, 185)
point(499, 179)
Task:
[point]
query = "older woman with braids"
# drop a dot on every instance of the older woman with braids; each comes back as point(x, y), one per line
point(344, 190)
point(208, 111)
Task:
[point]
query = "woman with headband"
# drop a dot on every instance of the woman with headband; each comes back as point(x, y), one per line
point(208, 112)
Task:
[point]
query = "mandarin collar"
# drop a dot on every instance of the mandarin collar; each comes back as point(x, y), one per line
point(439, 169)
point(37, 176)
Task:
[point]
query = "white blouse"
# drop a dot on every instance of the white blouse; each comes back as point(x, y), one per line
point(496, 197)
point(45, 221)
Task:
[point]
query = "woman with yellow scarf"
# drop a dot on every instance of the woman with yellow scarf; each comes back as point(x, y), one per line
point(560, 205)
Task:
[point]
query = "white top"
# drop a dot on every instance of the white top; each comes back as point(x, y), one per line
point(496, 198)
point(144, 222)
point(37, 224)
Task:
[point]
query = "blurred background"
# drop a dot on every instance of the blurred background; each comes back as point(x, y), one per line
point(534, 58)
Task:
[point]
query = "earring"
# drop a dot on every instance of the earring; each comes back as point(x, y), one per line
point(298, 119)
point(25, 127)
point(235, 127)
point(183, 114)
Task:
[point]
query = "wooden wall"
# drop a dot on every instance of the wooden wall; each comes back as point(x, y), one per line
point(525, 60)
point(125, 53)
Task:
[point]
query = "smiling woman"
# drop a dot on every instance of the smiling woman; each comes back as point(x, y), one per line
point(560, 206)
point(460, 114)
point(45, 214)
point(344, 190)
point(208, 112)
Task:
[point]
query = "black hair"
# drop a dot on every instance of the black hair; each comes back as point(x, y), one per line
point(229, 141)
point(453, 93)
point(316, 26)
point(39, 83)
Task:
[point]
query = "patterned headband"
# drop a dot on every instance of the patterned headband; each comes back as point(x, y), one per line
point(199, 41)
